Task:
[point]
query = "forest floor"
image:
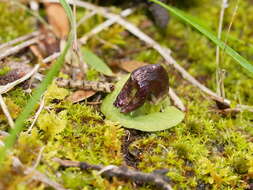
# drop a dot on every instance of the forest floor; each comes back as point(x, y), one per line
point(209, 149)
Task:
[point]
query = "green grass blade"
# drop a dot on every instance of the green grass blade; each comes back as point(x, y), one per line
point(69, 13)
point(188, 19)
point(95, 62)
point(19, 123)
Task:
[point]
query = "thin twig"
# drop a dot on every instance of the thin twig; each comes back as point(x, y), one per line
point(85, 17)
point(157, 178)
point(104, 25)
point(176, 100)
point(230, 25)
point(36, 175)
point(38, 158)
point(9, 86)
point(42, 103)
point(6, 112)
point(19, 47)
point(51, 57)
point(219, 79)
point(75, 45)
point(19, 39)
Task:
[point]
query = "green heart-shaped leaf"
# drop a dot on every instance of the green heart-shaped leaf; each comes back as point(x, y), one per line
point(157, 121)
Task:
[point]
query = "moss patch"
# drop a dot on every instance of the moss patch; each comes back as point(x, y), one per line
point(206, 151)
point(14, 22)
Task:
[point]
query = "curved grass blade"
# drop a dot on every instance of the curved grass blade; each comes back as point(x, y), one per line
point(95, 62)
point(189, 20)
point(19, 123)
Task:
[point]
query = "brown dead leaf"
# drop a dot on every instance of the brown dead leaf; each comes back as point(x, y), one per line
point(58, 19)
point(81, 95)
point(130, 66)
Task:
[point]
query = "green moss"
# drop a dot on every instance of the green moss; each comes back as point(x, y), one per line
point(28, 147)
point(240, 165)
point(14, 22)
point(206, 151)
point(92, 75)
point(55, 93)
point(4, 70)
point(18, 96)
point(51, 123)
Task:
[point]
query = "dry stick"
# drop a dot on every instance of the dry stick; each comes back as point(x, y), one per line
point(159, 179)
point(19, 39)
point(51, 57)
point(176, 101)
point(9, 86)
point(219, 79)
point(230, 25)
point(42, 103)
point(86, 17)
point(6, 88)
point(36, 175)
point(18, 47)
point(38, 158)
point(6, 112)
point(104, 25)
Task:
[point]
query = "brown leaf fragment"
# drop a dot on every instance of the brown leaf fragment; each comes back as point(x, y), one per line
point(81, 95)
point(131, 65)
point(58, 19)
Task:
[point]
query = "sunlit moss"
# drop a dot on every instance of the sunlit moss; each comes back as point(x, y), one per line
point(4, 70)
point(14, 21)
point(206, 151)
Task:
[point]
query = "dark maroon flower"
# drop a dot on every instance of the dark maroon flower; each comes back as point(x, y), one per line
point(149, 82)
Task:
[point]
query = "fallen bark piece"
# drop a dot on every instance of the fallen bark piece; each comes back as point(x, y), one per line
point(157, 178)
point(36, 175)
point(85, 85)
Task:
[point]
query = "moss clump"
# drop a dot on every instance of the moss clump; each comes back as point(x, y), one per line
point(240, 165)
point(14, 21)
point(206, 151)
point(52, 123)
point(18, 96)
point(4, 70)
point(92, 75)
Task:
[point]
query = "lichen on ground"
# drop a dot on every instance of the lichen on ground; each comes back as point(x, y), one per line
point(206, 151)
